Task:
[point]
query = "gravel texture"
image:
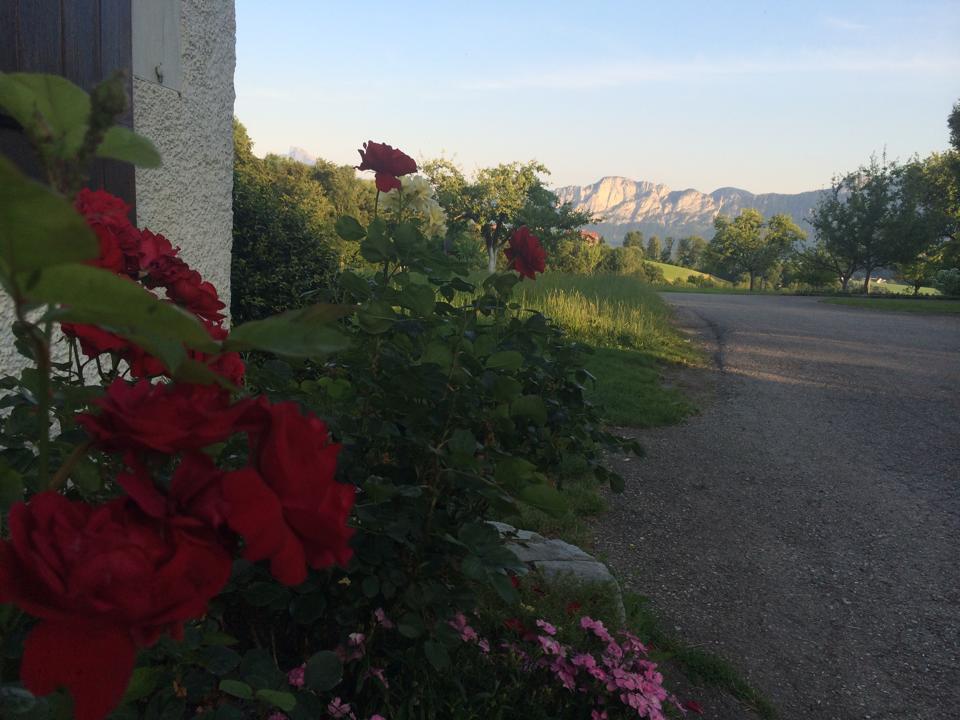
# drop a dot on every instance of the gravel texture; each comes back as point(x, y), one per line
point(806, 525)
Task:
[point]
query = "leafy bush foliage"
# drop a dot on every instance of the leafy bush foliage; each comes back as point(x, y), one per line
point(948, 281)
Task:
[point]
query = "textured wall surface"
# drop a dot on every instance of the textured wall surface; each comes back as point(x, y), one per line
point(189, 198)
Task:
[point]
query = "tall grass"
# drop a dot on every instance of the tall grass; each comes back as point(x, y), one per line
point(628, 326)
point(608, 311)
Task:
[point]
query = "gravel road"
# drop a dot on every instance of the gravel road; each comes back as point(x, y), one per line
point(806, 525)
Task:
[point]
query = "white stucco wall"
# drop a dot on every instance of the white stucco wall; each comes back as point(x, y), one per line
point(189, 199)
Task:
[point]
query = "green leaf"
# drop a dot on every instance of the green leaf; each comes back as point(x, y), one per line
point(219, 659)
point(349, 229)
point(530, 407)
point(410, 625)
point(39, 228)
point(509, 360)
point(370, 586)
point(512, 472)
point(506, 387)
point(438, 353)
point(462, 442)
point(544, 497)
point(62, 107)
point(86, 476)
point(142, 683)
point(98, 297)
point(406, 236)
point(324, 671)
point(237, 689)
point(283, 700)
point(377, 317)
point(120, 143)
point(505, 589)
point(376, 247)
point(354, 284)
point(419, 298)
point(437, 654)
point(11, 486)
point(302, 333)
point(308, 608)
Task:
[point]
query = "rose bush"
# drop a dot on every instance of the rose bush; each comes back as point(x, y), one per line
point(138, 529)
point(187, 526)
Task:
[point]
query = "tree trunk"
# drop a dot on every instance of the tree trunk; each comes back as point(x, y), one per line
point(844, 282)
point(491, 258)
point(752, 278)
point(866, 282)
point(916, 288)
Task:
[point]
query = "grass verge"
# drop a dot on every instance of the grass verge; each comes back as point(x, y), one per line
point(937, 307)
point(628, 325)
point(698, 666)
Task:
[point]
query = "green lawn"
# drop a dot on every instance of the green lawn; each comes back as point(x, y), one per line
point(674, 272)
point(628, 325)
point(899, 305)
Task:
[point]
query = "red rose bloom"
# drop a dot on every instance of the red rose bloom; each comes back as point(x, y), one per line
point(387, 162)
point(525, 253)
point(107, 215)
point(299, 517)
point(162, 418)
point(154, 248)
point(103, 580)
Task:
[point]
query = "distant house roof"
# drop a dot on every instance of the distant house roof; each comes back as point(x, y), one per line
point(590, 237)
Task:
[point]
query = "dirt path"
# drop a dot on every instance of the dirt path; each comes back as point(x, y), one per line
point(806, 526)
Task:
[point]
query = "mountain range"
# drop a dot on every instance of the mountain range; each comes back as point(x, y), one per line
point(624, 204)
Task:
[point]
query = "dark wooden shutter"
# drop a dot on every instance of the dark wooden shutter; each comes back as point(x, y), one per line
point(83, 40)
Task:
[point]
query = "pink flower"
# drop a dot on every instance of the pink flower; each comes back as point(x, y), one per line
point(296, 676)
point(277, 716)
point(467, 633)
point(549, 645)
point(565, 672)
point(484, 646)
point(381, 617)
point(339, 709)
point(377, 717)
point(596, 627)
point(546, 627)
point(378, 674)
point(598, 715)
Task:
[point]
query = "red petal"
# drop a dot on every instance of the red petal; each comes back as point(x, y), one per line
point(93, 661)
point(387, 182)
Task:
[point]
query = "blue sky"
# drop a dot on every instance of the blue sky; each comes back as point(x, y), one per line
point(767, 96)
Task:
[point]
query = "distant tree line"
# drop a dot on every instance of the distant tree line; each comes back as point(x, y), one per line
point(899, 217)
point(902, 217)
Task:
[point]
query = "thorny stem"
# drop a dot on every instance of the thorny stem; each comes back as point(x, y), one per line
point(60, 477)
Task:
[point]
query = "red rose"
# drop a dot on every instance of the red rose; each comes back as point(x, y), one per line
point(191, 292)
point(515, 624)
point(387, 162)
point(153, 248)
point(307, 523)
point(108, 217)
point(95, 341)
point(525, 253)
point(161, 417)
point(103, 580)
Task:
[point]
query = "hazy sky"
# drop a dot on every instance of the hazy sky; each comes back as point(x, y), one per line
point(766, 96)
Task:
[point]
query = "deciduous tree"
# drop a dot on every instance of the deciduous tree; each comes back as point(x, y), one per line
point(748, 245)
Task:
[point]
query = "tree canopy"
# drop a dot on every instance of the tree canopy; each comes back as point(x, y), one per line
point(748, 245)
